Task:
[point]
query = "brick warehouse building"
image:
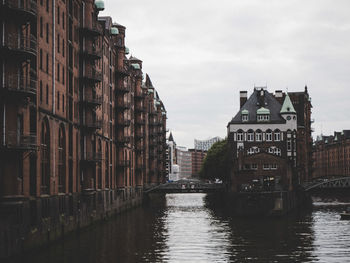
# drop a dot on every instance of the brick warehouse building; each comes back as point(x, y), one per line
point(332, 155)
point(197, 160)
point(270, 141)
point(81, 132)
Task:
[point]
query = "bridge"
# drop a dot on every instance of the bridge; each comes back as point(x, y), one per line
point(328, 183)
point(186, 186)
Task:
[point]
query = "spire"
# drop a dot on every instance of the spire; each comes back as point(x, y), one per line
point(171, 137)
point(287, 106)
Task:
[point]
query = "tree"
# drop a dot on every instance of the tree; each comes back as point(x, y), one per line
point(217, 162)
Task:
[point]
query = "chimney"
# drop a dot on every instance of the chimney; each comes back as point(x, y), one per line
point(279, 96)
point(243, 96)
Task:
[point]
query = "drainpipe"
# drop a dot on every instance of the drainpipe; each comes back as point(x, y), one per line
point(53, 91)
point(3, 84)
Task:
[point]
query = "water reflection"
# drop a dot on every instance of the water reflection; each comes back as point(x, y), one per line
point(190, 228)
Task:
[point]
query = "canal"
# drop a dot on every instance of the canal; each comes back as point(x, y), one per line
point(185, 228)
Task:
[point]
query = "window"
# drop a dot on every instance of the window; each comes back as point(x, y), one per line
point(250, 151)
point(41, 91)
point(278, 152)
point(41, 27)
point(263, 117)
point(268, 135)
point(63, 47)
point(250, 136)
point(273, 166)
point(254, 166)
point(58, 15)
point(58, 72)
point(289, 145)
point(47, 32)
point(47, 63)
point(62, 102)
point(47, 5)
point(58, 43)
point(41, 59)
point(244, 117)
point(258, 136)
point(240, 136)
point(266, 166)
point(63, 20)
point(62, 75)
point(277, 136)
point(47, 94)
point(58, 100)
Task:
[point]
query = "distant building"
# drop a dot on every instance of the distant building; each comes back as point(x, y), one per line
point(331, 155)
point(205, 145)
point(267, 136)
point(184, 160)
point(197, 160)
point(171, 164)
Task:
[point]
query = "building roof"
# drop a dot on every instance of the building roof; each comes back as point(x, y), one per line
point(261, 100)
point(287, 106)
point(171, 137)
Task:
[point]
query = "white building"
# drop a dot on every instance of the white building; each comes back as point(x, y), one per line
point(184, 160)
point(205, 145)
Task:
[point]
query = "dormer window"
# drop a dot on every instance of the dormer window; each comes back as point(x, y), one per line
point(245, 114)
point(263, 114)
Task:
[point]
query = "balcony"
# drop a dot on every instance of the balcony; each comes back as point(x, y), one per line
point(121, 72)
point(92, 75)
point(93, 30)
point(13, 141)
point(124, 123)
point(18, 47)
point(123, 163)
point(122, 89)
point(18, 85)
point(91, 52)
point(92, 101)
point(93, 124)
point(92, 157)
point(23, 10)
point(123, 106)
point(124, 140)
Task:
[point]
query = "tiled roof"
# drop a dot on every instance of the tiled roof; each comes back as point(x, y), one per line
point(255, 102)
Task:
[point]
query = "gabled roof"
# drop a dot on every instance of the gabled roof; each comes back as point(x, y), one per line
point(263, 110)
point(171, 137)
point(256, 102)
point(287, 106)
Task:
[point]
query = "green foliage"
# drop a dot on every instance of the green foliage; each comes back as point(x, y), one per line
point(217, 163)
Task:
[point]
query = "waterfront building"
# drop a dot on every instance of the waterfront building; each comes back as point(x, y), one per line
point(266, 137)
point(205, 145)
point(197, 157)
point(172, 167)
point(81, 131)
point(184, 161)
point(331, 155)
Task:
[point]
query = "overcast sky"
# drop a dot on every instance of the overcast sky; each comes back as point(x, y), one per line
point(201, 53)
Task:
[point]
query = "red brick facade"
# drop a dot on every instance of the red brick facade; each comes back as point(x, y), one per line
point(331, 155)
point(197, 160)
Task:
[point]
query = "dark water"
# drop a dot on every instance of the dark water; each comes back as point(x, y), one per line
point(183, 228)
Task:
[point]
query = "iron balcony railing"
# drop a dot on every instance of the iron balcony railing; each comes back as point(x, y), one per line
point(15, 140)
point(19, 83)
point(94, 100)
point(93, 124)
point(123, 163)
point(92, 157)
point(92, 74)
point(19, 43)
point(29, 6)
point(122, 89)
point(93, 52)
point(93, 29)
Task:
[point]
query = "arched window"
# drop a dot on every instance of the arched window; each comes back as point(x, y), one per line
point(277, 135)
point(268, 135)
point(61, 160)
point(45, 157)
point(250, 136)
point(239, 135)
point(258, 135)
